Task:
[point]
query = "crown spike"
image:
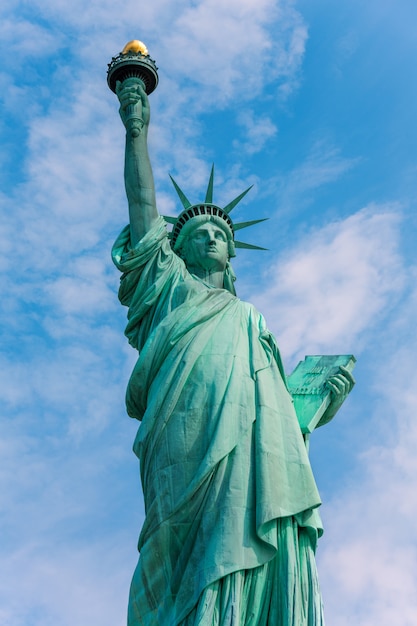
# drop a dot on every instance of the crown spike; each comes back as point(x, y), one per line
point(246, 224)
point(209, 193)
point(184, 200)
point(234, 202)
point(247, 246)
point(170, 219)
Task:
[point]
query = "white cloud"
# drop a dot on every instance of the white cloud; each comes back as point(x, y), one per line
point(368, 556)
point(69, 529)
point(25, 38)
point(335, 283)
point(235, 50)
point(324, 164)
point(256, 132)
point(51, 584)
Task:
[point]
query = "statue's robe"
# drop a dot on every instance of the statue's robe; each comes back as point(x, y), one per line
point(230, 498)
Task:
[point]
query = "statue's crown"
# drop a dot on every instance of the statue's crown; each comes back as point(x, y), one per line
point(207, 208)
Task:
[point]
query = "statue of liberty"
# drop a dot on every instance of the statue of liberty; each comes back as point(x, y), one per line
point(231, 503)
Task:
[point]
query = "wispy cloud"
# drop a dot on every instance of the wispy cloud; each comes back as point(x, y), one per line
point(243, 52)
point(335, 283)
point(368, 559)
point(257, 131)
point(294, 190)
point(324, 164)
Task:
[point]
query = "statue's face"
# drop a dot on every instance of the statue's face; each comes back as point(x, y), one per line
point(207, 248)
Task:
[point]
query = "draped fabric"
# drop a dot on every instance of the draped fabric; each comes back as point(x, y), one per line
point(285, 590)
point(230, 499)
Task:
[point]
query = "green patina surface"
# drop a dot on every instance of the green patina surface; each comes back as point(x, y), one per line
point(231, 503)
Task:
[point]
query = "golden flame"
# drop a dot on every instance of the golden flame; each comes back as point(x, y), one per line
point(135, 46)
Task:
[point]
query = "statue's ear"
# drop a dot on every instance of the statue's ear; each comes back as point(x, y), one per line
point(231, 248)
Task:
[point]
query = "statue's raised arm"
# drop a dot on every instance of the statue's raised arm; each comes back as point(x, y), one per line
point(139, 183)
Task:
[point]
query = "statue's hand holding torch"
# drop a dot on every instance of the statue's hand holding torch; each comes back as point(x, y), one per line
point(134, 105)
point(133, 75)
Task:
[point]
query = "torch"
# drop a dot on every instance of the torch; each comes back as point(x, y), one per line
point(133, 62)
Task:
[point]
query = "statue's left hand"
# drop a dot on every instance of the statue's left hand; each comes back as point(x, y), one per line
point(340, 386)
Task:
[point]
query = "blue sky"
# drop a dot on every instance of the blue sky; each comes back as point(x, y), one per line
point(314, 104)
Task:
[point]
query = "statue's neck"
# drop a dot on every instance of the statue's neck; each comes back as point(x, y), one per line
point(214, 278)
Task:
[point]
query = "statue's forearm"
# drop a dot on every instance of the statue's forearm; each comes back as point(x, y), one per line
point(140, 188)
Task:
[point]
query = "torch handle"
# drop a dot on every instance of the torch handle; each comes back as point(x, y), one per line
point(134, 120)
